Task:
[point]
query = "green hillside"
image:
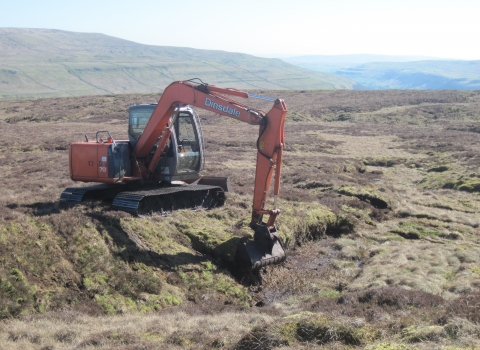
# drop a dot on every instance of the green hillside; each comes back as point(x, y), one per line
point(52, 63)
point(434, 75)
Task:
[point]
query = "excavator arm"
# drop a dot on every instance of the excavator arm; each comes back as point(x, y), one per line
point(267, 247)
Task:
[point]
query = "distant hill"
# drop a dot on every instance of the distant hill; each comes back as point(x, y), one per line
point(432, 75)
point(333, 63)
point(397, 72)
point(48, 63)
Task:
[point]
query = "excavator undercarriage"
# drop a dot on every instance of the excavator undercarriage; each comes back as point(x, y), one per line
point(150, 199)
point(168, 199)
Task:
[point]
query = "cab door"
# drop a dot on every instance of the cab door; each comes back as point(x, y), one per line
point(183, 158)
point(189, 144)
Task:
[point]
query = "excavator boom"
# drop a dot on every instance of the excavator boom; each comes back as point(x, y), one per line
point(267, 247)
point(269, 144)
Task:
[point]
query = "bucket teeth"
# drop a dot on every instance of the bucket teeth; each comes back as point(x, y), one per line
point(266, 249)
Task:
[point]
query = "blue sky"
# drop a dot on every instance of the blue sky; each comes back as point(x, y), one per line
point(437, 28)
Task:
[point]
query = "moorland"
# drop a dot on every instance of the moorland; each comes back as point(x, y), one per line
point(380, 217)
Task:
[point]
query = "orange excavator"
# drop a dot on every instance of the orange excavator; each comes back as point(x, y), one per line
point(166, 146)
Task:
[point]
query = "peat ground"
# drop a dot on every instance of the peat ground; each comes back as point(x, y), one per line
point(380, 199)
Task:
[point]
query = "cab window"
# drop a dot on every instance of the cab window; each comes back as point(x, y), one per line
point(139, 117)
point(185, 132)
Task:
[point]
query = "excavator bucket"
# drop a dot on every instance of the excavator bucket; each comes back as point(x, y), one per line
point(265, 249)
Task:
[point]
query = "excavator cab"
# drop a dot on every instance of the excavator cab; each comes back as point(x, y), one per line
point(183, 157)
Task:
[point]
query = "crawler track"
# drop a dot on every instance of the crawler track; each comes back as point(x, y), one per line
point(168, 199)
point(154, 200)
point(79, 194)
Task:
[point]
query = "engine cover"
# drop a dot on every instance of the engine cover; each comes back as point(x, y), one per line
point(99, 161)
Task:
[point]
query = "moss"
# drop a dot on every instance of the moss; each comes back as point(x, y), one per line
point(17, 275)
point(361, 214)
point(299, 315)
point(169, 299)
point(451, 180)
point(205, 238)
point(414, 230)
point(468, 185)
point(108, 303)
point(318, 221)
point(232, 290)
point(366, 334)
point(162, 235)
point(311, 328)
point(114, 304)
point(211, 279)
point(153, 337)
point(288, 332)
point(260, 338)
point(475, 269)
point(178, 339)
point(205, 232)
point(91, 254)
point(155, 302)
point(436, 180)
point(349, 168)
point(304, 222)
point(382, 161)
point(17, 295)
point(414, 334)
point(356, 336)
point(96, 284)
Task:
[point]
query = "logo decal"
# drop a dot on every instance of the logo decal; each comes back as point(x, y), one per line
point(226, 109)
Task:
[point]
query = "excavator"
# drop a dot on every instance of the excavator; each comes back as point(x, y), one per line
point(165, 147)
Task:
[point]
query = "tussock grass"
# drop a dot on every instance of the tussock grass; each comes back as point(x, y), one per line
point(380, 254)
point(168, 330)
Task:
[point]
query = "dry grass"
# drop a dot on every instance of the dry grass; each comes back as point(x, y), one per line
point(380, 216)
point(171, 329)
